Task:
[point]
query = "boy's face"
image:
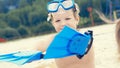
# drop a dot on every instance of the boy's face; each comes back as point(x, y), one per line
point(64, 17)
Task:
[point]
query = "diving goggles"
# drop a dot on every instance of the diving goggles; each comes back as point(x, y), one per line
point(53, 6)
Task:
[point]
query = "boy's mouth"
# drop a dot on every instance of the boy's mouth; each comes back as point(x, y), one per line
point(61, 28)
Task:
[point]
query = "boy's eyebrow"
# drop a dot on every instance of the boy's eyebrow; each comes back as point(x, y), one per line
point(68, 18)
point(57, 20)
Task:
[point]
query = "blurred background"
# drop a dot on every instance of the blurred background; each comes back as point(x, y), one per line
point(27, 18)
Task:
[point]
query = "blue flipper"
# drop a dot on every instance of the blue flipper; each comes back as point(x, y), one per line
point(21, 57)
point(68, 42)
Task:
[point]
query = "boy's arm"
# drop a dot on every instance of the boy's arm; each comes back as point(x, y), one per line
point(36, 43)
point(73, 62)
point(43, 44)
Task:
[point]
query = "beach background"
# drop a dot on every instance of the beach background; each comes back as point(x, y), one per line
point(105, 49)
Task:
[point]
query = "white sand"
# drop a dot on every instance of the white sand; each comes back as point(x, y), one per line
point(104, 45)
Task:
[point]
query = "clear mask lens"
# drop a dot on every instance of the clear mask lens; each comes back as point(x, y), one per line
point(53, 6)
point(67, 4)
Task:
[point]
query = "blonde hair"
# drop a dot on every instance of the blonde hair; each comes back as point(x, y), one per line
point(77, 10)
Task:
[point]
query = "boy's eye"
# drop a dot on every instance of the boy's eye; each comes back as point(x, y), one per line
point(57, 21)
point(67, 18)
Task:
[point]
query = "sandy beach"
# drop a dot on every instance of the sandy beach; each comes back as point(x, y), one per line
point(105, 48)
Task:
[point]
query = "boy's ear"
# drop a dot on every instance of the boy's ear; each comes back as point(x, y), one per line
point(77, 18)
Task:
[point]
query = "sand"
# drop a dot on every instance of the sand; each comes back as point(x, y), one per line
point(105, 48)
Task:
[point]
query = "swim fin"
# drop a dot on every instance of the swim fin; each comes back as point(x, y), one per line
point(21, 57)
point(68, 42)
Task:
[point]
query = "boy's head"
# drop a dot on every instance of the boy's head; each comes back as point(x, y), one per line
point(63, 12)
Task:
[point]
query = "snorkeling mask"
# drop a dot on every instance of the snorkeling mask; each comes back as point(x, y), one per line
point(54, 5)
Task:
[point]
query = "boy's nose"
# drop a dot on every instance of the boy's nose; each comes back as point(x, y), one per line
point(63, 24)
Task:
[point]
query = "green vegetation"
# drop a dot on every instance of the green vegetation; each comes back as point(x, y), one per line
point(29, 18)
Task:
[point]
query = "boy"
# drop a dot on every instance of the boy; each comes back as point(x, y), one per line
point(66, 12)
point(61, 13)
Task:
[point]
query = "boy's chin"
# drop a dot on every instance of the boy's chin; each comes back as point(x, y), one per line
point(59, 30)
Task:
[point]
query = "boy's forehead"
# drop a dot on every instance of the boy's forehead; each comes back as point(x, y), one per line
point(63, 12)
